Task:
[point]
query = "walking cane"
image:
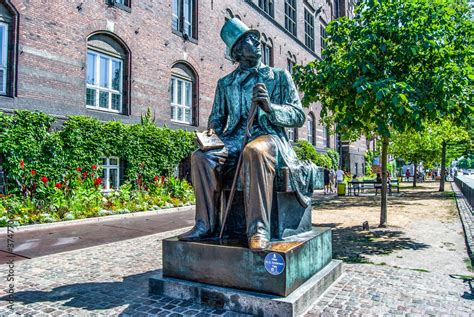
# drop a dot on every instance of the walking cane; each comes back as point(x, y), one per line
point(253, 111)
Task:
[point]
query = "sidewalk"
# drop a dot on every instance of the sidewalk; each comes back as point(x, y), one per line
point(409, 273)
point(39, 240)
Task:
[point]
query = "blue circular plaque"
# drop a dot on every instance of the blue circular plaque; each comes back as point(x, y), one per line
point(274, 263)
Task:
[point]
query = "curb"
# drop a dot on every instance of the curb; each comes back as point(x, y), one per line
point(467, 220)
point(66, 223)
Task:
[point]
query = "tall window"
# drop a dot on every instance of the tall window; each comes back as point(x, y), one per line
point(291, 134)
point(326, 139)
point(322, 33)
point(8, 46)
point(184, 17)
point(3, 57)
point(310, 126)
point(104, 82)
point(309, 29)
point(110, 173)
point(290, 16)
point(291, 62)
point(183, 100)
point(267, 6)
point(267, 50)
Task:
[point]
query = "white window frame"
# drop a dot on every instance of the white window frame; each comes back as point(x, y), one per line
point(96, 86)
point(266, 54)
point(106, 170)
point(291, 134)
point(174, 100)
point(183, 14)
point(290, 16)
point(309, 29)
point(310, 126)
point(4, 52)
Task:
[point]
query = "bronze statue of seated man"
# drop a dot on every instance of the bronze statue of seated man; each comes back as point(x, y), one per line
point(278, 107)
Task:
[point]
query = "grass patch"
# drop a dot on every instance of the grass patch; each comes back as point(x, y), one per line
point(469, 264)
point(420, 270)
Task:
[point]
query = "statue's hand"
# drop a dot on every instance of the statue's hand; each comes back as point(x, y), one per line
point(261, 97)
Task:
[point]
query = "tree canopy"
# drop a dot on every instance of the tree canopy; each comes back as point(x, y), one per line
point(397, 65)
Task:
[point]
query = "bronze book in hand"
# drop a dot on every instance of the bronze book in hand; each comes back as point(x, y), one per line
point(208, 142)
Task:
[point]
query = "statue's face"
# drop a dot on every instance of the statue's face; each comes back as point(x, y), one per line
point(249, 47)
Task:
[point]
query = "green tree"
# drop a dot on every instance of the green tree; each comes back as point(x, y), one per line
point(394, 65)
point(448, 133)
point(415, 147)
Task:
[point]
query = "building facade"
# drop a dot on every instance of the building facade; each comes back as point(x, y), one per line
point(114, 59)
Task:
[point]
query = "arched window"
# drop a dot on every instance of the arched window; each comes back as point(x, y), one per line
point(8, 48)
point(267, 50)
point(291, 61)
point(184, 92)
point(107, 74)
point(310, 126)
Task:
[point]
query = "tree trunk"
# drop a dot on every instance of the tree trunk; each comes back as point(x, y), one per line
point(443, 166)
point(383, 211)
point(415, 169)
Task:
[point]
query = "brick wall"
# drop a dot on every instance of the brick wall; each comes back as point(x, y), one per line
point(52, 46)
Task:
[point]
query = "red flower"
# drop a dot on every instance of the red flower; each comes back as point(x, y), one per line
point(84, 174)
point(94, 167)
point(163, 179)
point(78, 169)
point(33, 172)
point(97, 181)
point(58, 185)
point(156, 178)
point(22, 164)
point(44, 179)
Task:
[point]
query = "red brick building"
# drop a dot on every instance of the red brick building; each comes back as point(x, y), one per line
point(114, 59)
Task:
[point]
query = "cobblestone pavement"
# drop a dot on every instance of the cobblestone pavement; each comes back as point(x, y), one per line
point(111, 279)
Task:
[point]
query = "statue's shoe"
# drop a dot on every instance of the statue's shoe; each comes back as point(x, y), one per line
point(195, 234)
point(258, 242)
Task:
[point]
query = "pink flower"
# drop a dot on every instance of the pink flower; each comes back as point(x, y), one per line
point(84, 174)
point(22, 164)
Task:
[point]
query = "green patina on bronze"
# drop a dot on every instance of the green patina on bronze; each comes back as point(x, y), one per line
point(252, 107)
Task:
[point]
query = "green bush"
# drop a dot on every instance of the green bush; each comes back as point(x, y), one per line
point(28, 142)
point(55, 174)
point(306, 152)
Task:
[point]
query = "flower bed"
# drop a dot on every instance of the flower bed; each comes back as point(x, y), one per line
point(80, 195)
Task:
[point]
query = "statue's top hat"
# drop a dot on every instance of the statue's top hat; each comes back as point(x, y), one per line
point(233, 30)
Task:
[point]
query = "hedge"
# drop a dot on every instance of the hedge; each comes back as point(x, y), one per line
point(28, 141)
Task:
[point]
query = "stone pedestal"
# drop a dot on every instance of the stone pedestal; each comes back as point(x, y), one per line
point(282, 281)
point(229, 263)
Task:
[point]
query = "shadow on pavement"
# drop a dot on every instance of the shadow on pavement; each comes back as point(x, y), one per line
point(97, 296)
point(352, 244)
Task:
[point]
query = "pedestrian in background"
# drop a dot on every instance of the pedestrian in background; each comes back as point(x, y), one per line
point(326, 180)
point(332, 180)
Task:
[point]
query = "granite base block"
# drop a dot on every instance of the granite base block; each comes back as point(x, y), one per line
point(248, 302)
point(232, 264)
